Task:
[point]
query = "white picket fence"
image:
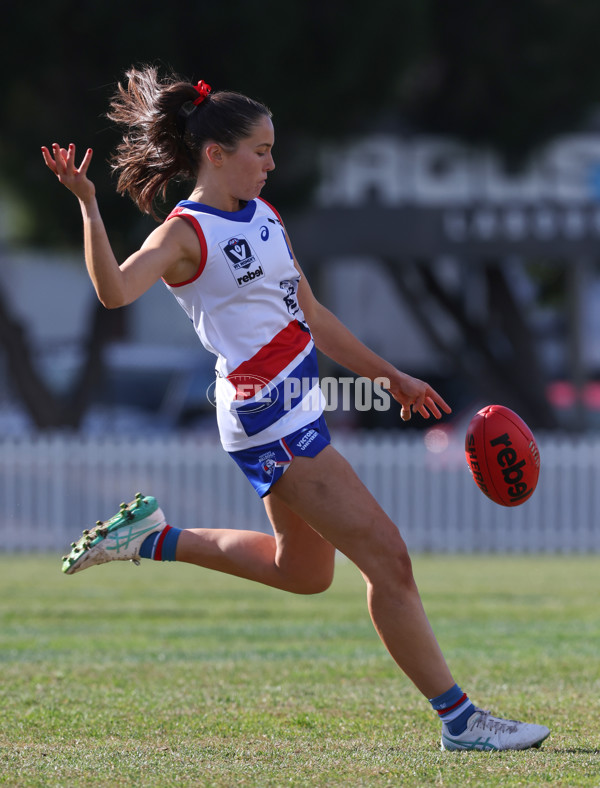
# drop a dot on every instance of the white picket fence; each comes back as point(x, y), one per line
point(52, 487)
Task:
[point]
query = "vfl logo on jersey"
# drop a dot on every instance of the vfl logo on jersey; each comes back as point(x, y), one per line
point(243, 262)
point(238, 252)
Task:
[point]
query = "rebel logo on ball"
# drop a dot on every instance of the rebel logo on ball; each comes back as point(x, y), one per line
point(502, 455)
point(512, 469)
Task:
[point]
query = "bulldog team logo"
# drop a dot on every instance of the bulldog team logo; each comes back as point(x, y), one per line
point(270, 462)
point(243, 262)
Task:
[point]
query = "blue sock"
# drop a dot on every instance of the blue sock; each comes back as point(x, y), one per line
point(454, 708)
point(161, 545)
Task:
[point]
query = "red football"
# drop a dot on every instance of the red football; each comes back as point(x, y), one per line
point(502, 455)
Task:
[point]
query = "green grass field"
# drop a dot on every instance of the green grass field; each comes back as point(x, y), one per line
point(168, 675)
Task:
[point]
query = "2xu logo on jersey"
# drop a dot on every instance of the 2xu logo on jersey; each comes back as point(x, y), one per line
point(243, 262)
point(509, 464)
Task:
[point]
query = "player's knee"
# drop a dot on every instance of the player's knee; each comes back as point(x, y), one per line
point(404, 570)
point(315, 582)
point(310, 579)
point(389, 562)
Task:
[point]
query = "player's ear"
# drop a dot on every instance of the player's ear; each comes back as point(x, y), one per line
point(214, 153)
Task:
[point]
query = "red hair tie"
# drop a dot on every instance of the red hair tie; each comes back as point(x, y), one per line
point(203, 91)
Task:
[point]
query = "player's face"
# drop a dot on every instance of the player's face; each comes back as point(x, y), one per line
point(246, 168)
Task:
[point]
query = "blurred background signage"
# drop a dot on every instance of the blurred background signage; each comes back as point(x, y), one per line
point(465, 195)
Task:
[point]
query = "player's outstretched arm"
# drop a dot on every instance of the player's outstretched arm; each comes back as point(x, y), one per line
point(166, 249)
point(339, 343)
point(334, 339)
point(102, 265)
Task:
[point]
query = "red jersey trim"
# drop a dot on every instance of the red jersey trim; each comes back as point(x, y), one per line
point(275, 211)
point(178, 212)
point(271, 359)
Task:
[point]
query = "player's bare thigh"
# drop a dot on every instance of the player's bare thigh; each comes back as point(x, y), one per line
point(326, 493)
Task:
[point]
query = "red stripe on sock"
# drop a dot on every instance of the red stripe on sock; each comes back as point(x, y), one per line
point(159, 543)
point(441, 712)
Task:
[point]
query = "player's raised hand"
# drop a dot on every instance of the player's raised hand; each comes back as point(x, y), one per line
point(62, 163)
point(417, 396)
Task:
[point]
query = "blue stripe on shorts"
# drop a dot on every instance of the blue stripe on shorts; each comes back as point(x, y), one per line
point(264, 465)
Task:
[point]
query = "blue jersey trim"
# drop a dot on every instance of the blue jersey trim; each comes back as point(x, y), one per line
point(246, 214)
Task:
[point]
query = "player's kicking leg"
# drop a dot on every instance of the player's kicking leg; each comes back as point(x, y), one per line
point(326, 493)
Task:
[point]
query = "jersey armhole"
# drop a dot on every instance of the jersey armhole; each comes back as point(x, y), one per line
point(285, 236)
point(203, 247)
point(275, 211)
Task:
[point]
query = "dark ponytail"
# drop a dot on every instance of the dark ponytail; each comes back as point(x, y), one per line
point(164, 132)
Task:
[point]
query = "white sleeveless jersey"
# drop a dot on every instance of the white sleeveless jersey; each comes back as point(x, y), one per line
point(242, 302)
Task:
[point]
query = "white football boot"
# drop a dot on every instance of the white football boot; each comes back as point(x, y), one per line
point(116, 539)
point(485, 732)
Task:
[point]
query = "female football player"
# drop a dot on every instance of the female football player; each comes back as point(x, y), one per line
point(225, 255)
